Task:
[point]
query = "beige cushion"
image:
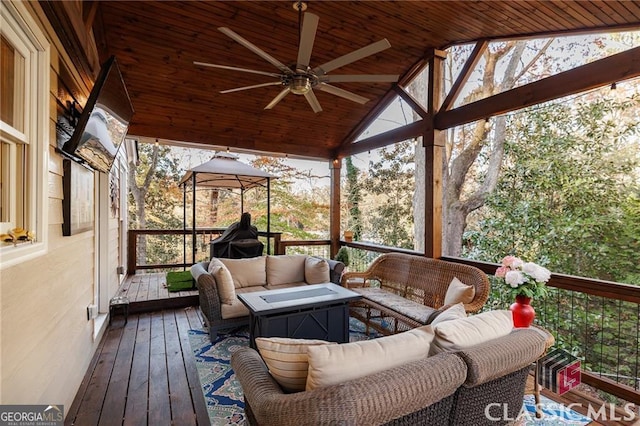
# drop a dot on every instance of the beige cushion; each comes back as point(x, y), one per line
point(247, 272)
point(237, 309)
point(467, 332)
point(290, 285)
point(224, 281)
point(285, 269)
point(459, 292)
point(453, 313)
point(316, 271)
point(332, 364)
point(287, 360)
point(414, 310)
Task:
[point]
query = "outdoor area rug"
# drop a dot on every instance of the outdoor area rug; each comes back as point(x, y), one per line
point(553, 413)
point(224, 399)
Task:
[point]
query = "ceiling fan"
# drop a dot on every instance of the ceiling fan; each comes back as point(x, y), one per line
point(301, 79)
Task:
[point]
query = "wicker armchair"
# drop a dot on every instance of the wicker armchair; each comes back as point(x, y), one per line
point(496, 377)
point(417, 393)
point(423, 281)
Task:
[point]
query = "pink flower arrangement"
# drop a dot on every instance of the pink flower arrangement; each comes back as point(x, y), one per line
point(523, 278)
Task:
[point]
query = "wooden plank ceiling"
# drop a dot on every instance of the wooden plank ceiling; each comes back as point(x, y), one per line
point(156, 43)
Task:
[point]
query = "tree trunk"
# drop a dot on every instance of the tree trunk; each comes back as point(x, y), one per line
point(139, 194)
point(459, 201)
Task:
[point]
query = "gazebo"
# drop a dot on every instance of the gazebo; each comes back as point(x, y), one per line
point(223, 171)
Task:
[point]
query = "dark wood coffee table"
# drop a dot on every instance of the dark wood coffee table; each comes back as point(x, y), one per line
point(318, 311)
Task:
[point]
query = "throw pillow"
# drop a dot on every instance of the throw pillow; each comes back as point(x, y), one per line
point(287, 360)
point(316, 270)
point(224, 281)
point(332, 364)
point(466, 332)
point(459, 292)
point(285, 269)
point(247, 272)
point(453, 312)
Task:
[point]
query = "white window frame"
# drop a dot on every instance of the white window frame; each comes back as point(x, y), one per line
point(21, 30)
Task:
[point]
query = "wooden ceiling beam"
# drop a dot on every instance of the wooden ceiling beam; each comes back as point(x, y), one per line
point(413, 102)
point(618, 67)
point(412, 130)
point(373, 114)
point(309, 151)
point(463, 77)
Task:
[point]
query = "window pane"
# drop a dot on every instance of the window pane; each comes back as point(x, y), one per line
point(4, 183)
point(11, 85)
point(7, 67)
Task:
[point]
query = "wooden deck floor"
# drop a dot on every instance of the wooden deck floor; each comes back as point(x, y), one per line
point(143, 373)
point(148, 293)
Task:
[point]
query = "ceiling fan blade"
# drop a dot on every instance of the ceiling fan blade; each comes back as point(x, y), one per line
point(360, 78)
point(278, 98)
point(226, 67)
point(255, 86)
point(255, 49)
point(356, 55)
point(342, 93)
point(313, 101)
point(307, 37)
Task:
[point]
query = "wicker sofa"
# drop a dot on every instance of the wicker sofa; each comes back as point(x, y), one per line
point(253, 274)
point(448, 388)
point(402, 291)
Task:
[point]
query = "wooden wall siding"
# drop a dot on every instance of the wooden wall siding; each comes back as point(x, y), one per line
point(157, 42)
point(47, 341)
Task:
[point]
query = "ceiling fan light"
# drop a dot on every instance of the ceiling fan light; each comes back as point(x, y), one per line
point(300, 84)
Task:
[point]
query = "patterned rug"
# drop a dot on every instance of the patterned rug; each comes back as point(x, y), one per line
point(223, 394)
point(553, 413)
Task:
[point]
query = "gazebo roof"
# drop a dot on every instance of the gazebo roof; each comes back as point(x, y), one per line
point(225, 171)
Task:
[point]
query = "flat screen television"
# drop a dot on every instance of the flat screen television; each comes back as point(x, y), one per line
point(103, 123)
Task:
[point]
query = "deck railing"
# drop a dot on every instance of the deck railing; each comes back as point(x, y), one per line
point(597, 321)
point(145, 246)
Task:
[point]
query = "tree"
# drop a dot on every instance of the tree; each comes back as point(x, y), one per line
point(154, 196)
point(391, 181)
point(354, 197)
point(567, 193)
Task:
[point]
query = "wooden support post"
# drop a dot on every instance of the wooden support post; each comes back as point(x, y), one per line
point(334, 207)
point(434, 141)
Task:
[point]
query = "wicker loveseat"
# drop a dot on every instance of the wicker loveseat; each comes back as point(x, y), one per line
point(448, 388)
point(402, 291)
point(253, 274)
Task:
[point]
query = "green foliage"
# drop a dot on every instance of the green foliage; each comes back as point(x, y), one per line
point(354, 197)
point(566, 196)
point(343, 256)
point(391, 182)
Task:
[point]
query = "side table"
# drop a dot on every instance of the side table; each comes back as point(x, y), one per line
point(119, 302)
point(550, 340)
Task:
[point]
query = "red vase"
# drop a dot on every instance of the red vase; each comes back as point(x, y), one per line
point(522, 311)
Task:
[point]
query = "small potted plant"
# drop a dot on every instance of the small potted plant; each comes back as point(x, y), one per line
point(343, 256)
